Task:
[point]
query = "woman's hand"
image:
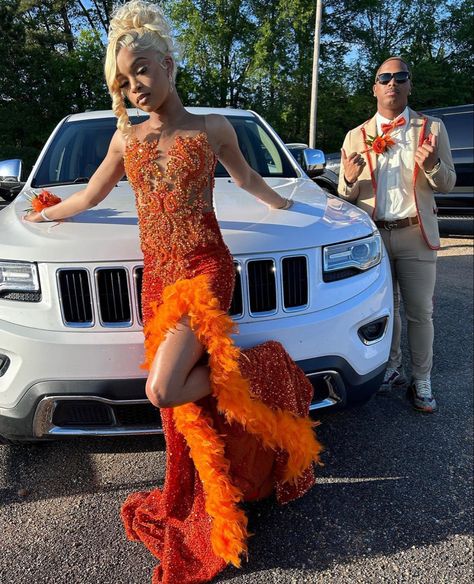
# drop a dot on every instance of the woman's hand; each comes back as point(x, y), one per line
point(33, 217)
point(288, 203)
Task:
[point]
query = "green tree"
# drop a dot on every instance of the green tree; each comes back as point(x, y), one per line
point(49, 71)
point(254, 54)
point(216, 50)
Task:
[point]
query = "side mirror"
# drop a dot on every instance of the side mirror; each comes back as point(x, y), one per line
point(314, 161)
point(10, 178)
point(10, 170)
point(296, 150)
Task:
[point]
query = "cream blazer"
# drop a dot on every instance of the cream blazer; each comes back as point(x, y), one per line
point(364, 191)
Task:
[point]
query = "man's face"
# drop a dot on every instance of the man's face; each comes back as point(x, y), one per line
point(393, 95)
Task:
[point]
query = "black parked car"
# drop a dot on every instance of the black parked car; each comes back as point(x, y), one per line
point(456, 209)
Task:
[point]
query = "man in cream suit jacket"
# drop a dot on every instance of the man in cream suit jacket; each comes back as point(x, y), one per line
point(390, 167)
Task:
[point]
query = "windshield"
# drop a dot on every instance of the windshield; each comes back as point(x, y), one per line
point(79, 147)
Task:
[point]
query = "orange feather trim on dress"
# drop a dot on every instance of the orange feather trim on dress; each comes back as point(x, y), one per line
point(276, 428)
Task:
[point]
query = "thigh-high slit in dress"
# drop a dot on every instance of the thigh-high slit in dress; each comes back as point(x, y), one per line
point(252, 436)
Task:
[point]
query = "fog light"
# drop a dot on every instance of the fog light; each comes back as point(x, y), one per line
point(4, 364)
point(373, 331)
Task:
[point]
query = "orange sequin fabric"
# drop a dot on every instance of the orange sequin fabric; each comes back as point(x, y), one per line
point(252, 436)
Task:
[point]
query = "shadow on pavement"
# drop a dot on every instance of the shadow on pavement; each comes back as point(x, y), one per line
point(64, 468)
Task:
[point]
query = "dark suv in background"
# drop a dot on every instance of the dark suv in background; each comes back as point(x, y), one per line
point(456, 209)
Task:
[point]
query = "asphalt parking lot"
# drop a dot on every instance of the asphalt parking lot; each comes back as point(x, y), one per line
point(393, 502)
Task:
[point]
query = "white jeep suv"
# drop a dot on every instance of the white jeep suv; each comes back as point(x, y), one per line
point(316, 278)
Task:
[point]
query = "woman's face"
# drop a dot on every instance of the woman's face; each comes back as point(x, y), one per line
point(143, 77)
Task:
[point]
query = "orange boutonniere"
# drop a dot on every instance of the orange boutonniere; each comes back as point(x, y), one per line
point(379, 144)
point(42, 200)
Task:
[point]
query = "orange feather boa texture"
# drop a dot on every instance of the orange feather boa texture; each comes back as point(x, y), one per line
point(276, 428)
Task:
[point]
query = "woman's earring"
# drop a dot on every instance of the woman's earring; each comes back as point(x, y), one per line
point(170, 79)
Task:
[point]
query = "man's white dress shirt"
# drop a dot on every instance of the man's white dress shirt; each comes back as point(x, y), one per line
point(395, 198)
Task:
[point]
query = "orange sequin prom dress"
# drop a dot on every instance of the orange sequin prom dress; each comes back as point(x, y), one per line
point(252, 436)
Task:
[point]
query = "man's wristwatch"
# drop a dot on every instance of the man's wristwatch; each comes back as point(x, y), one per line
point(434, 169)
point(349, 184)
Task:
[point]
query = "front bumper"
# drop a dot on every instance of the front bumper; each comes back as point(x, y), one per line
point(58, 409)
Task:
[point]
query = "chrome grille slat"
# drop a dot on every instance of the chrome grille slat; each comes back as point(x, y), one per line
point(138, 277)
point(237, 305)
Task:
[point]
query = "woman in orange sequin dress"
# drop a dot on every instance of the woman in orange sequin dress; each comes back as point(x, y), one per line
point(236, 422)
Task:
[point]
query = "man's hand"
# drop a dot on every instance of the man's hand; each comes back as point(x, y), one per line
point(426, 155)
point(353, 166)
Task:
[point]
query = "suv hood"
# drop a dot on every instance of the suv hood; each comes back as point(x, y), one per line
point(109, 232)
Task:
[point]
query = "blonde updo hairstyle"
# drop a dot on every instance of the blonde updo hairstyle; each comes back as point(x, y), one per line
point(140, 26)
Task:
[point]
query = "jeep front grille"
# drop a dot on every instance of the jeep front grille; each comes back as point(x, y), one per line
point(262, 287)
point(75, 295)
point(113, 297)
point(295, 282)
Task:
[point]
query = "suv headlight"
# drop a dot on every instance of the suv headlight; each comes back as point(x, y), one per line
point(18, 277)
point(347, 259)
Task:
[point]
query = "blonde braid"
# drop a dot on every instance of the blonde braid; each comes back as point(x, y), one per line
point(119, 109)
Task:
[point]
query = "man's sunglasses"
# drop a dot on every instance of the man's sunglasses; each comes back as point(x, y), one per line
point(399, 76)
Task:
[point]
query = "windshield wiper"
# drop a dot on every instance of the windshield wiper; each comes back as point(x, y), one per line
point(77, 181)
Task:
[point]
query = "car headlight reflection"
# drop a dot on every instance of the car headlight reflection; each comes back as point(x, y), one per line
point(18, 277)
point(348, 259)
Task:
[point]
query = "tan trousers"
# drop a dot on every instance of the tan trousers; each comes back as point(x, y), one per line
point(413, 266)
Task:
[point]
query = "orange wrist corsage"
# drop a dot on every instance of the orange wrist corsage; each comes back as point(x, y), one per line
point(42, 201)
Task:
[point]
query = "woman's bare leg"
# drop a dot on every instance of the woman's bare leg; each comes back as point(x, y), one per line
point(174, 377)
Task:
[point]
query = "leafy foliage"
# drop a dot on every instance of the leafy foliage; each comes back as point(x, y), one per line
point(50, 68)
point(253, 54)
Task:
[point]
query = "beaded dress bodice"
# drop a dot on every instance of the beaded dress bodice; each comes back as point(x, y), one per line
point(179, 233)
